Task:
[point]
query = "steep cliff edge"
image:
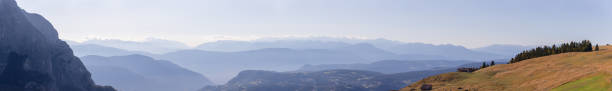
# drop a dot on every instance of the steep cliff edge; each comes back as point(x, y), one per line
point(32, 58)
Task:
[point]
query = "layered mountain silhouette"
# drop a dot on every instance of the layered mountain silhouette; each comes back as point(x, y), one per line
point(222, 60)
point(142, 73)
point(390, 66)
point(328, 80)
point(151, 45)
point(221, 66)
point(99, 50)
point(32, 58)
point(506, 50)
point(237, 46)
point(159, 46)
point(451, 51)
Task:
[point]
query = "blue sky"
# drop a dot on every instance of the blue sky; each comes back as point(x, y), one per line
point(471, 23)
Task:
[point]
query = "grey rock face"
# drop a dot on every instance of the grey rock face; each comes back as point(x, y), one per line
point(40, 53)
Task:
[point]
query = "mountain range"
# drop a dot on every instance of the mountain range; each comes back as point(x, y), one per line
point(221, 66)
point(328, 80)
point(389, 66)
point(160, 46)
point(151, 45)
point(99, 50)
point(290, 55)
point(505, 50)
point(331, 80)
point(452, 51)
point(142, 73)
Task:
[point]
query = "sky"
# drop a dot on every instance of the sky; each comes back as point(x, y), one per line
point(470, 23)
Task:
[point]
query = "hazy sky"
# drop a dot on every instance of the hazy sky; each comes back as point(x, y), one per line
point(471, 23)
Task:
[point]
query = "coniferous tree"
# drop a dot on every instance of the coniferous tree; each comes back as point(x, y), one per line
point(597, 47)
point(492, 62)
point(587, 45)
point(582, 46)
point(484, 65)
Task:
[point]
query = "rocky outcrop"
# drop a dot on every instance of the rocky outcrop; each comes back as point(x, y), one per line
point(32, 58)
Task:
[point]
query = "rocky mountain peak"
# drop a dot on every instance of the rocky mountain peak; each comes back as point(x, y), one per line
point(31, 51)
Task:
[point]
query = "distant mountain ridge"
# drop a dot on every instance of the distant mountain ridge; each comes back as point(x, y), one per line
point(328, 80)
point(221, 66)
point(390, 66)
point(341, 80)
point(92, 49)
point(151, 45)
point(142, 73)
point(160, 46)
point(289, 55)
point(278, 59)
point(506, 50)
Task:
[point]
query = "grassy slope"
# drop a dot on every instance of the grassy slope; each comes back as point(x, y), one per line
point(544, 73)
point(597, 82)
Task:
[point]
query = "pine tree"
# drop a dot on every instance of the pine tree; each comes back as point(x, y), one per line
point(484, 65)
point(597, 47)
point(582, 46)
point(492, 62)
point(588, 45)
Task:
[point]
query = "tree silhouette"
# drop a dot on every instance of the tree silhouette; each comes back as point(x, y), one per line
point(484, 65)
point(597, 47)
point(583, 46)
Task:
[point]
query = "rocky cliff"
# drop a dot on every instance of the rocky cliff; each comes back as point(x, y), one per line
point(32, 58)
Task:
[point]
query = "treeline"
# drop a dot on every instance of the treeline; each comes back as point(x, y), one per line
point(583, 46)
point(472, 69)
point(485, 65)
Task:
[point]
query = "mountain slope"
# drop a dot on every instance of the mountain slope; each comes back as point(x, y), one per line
point(553, 72)
point(32, 58)
point(141, 73)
